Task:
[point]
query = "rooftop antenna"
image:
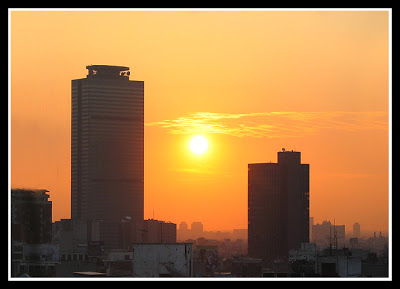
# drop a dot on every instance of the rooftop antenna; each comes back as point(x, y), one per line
point(334, 233)
point(330, 241)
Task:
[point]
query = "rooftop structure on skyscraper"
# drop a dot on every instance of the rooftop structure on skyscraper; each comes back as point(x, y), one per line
point(108, 72)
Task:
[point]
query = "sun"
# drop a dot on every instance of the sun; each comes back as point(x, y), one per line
point(198, 144)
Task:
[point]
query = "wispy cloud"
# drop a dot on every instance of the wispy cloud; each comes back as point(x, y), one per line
point(352, 176)
point(274, 124)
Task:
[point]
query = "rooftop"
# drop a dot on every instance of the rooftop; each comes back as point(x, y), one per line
point(16, 191)
point(108, 72)
point(107, 67)
point(89, 274)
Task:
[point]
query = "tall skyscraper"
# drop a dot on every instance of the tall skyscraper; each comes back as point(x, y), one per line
point(278, 206)
point(107, 146)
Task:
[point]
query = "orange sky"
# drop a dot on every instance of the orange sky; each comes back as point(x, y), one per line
point(252, 82)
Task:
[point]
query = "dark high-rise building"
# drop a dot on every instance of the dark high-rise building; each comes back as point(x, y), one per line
point(107, 146)
point(278, 206)
point(356, 230)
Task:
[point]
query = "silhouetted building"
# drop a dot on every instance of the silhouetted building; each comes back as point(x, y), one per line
point(155, 231)
point(356, 230)
point(311, 223)
point(71, 237)
point(119, 263)
point(168, 232)
point(239, 234)
point(278, 206)
point(338, 263)
point(162, 260)
point(329, 235)
point(30, 216)
point(183, 231)
point(205, 261)
point(183, 226)
point(37, 260)
point(107, 143)
point(113, 234)
point(31, 250)
point(353, 242)
point(196, 229)
point(246, 267)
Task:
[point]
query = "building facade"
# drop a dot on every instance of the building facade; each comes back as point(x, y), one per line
point(107, 147)
point(278, 206)
point(31, 250)
point(31, 214)
point(155, 231)
point(162, 260)
point(356, 230)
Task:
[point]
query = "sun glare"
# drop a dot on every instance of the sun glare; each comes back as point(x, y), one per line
point(198, 144)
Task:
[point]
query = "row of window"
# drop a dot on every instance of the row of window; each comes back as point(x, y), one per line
point(73, 257)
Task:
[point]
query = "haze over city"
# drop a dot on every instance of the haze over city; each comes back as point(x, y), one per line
point(249, 82)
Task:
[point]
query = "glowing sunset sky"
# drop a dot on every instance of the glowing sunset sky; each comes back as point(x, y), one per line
point(251, 82)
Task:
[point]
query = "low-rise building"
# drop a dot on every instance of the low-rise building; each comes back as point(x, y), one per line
point(31, 250)
point(329, 235)
point(119, 263)
point(307, 252)
point(246, 267)
point(162, 260)
point(31, 216)
point(155, 231)
point(38, 260)
point(338, 266)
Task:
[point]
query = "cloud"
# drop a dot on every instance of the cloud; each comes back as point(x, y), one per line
point(352, 176)
point(274, 124)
